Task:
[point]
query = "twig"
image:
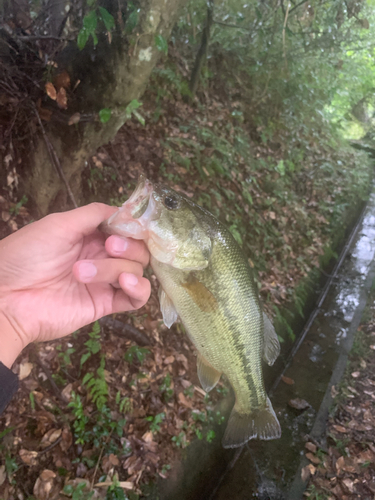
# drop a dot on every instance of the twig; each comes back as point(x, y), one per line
point(54, 159)
point(97, 464)
point(49, 448)
point(126, 330)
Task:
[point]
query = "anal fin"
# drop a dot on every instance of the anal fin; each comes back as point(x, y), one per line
point(207, 374)
point(167, 308)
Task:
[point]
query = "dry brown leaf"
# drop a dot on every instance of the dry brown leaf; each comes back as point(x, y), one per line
point(313, 458)
point(67, 439)
point(28, 457)
point(311, 447)
point(75, 118)
point(62, 80)
point(339, 428)
point(51, 91)
point(50, 437)
point(185, 402)
point(298, 404)
point(25, 370)
point(61, 98)
point(287, 380)
point(305, 473)
point(169, 360)
point(340, 463)
point(44, 485)
point(5, 216)
point(356, 374)
point(45, 114)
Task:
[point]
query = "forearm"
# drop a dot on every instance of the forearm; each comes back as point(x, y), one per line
point(11, 344)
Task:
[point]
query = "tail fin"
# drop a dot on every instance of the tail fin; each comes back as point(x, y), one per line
point(242, 427)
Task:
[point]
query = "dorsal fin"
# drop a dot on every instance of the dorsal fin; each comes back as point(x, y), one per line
point(271, 347)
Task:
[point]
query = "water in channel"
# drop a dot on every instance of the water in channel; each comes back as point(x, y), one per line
point(269, 470)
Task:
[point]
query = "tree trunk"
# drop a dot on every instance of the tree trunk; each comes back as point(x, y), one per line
point(111, 75)
point(202, 52)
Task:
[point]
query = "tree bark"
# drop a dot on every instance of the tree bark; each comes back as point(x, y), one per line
point(111, 75)
point(202, 52)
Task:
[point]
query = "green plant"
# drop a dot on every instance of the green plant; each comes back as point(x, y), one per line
point(180, 440)
point(125, 404)
point(155, 421)
point(65, 356)
point(165, 387)
point(81, 420)
point(11, 467)
point(78, 491)
point(93, 345)
point(97, 386)
point(136, 352)
point(16, 209)
point(90, 23)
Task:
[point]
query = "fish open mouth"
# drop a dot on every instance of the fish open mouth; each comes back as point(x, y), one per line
point(130, 220)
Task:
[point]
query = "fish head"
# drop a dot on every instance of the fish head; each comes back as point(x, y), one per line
point(169, 223)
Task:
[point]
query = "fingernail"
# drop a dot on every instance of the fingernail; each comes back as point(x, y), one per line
point(119, 245)
point(86, 271)
point(131, 279)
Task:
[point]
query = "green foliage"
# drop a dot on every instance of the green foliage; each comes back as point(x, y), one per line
point(97, 386)
point(16, 209)
point(93, 345)
point(90, 24)
point(131, 109)
point(78, 491)
point(65, 356)
point(165, 387)
point(161, 44)
point(105, 115)
point(155, 421)
point(125, 404)
point(136, 353)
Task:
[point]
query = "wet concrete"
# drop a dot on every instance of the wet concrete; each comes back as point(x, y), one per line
point(267, 470)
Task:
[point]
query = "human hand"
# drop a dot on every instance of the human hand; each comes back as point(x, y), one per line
point(59, 274)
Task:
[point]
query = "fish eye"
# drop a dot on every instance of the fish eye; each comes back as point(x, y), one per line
point(171, 202)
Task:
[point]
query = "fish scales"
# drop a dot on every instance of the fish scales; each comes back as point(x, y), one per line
point(207, 282)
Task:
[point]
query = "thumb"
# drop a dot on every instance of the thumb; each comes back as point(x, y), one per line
point(85, 220)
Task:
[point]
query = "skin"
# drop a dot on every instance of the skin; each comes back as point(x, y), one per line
point(60, 273)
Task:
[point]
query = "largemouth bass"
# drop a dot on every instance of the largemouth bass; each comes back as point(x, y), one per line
point(207, 282)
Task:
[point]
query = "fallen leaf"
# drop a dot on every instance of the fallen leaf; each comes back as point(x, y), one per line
point(311, 447)
point(169, 360)
point(51, 91)
point(75, 118)
point(298, 404)
point(305, 473)
point(287, 380)
point(25, 370)
point(44, 485)
point(61, 99)
point(339, 428)
point(50, 437)
point(313, 458)
point(28, 457)
point(62, 80)
point(356, 374)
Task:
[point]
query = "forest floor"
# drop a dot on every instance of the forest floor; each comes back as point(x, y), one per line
point(108, 409)
point(346, 469)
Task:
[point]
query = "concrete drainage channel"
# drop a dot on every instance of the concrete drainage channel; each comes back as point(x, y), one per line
point(317, 363)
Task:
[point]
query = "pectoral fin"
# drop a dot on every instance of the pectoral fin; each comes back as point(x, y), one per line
point(271, 348)
point(207, 374)
point(167, 308)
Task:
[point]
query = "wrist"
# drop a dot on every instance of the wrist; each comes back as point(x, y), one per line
point(11, 343)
